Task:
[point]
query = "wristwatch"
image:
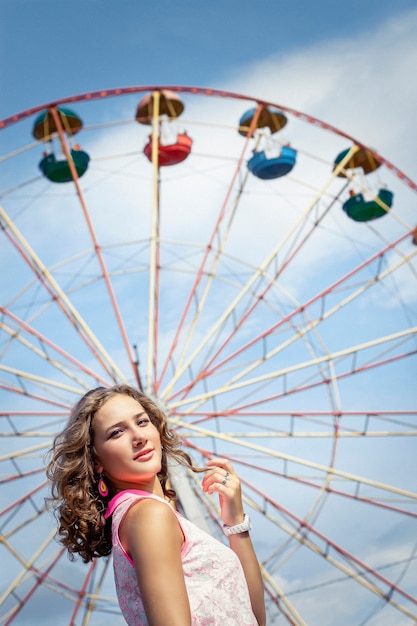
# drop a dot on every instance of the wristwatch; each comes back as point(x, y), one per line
point(239, 528)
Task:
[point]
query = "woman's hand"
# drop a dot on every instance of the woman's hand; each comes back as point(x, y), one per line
point(223, 479)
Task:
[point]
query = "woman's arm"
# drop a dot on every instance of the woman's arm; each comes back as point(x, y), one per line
point(224, 480)
point(242, 546)
point(152, 537)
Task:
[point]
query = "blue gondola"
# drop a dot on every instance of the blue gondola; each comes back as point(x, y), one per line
point(267, 168)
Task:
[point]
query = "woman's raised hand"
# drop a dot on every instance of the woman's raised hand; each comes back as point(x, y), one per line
point(222, 478)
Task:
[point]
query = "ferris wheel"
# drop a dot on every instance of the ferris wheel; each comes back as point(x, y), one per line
point(252, 268)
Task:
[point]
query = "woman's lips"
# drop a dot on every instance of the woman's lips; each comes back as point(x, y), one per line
point(144, 455)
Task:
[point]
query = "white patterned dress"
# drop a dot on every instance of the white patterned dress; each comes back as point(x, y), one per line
point(214, 578)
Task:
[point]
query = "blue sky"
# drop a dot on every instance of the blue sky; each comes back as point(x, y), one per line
point(53, 48)
point(350, 64)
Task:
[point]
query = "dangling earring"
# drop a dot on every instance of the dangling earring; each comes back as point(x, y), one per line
point(102, 487)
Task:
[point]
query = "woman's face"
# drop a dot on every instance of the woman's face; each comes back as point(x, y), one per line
point(127, 445)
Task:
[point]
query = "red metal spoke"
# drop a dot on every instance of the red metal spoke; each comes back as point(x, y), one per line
point(26, 327)
point(206, 371)
point(208, 249)
point(97, 248)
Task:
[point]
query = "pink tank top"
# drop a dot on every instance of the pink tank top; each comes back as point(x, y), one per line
point(214, 578)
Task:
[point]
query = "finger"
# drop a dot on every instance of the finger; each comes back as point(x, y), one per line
point(222, 463)
point(218, 487)
point(225, 478)
point(217, 474)
point(223, 483)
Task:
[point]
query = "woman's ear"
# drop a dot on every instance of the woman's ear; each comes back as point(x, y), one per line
point(98, 468)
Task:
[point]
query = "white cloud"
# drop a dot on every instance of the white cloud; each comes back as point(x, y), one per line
point(364, 85)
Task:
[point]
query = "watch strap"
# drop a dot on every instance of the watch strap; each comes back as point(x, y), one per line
point(239, 528)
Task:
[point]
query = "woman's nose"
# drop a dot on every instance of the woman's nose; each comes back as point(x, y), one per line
point(138, 437)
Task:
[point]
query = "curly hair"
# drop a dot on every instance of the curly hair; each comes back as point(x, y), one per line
point(78, 505)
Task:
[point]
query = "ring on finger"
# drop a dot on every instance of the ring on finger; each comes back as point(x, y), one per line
point(224, 481)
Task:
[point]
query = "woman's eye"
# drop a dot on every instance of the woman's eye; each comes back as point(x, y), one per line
point(143, 421)
point(115, 433)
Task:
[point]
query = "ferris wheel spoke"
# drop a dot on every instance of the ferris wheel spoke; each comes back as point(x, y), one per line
point(97, 248)
point(301, 530)
point(258, 298)
point(44, 355)
point(58, 586)
point(211, 274)
point(92, 598)
point(18, 508)
point(20, 475)
point(39, 380)
point(186, 429)
point(312, 324)
point(352, 495)
point(22, 326)
point(154, 263)
point(21, 525)
point(326, 548)
point(238, 417)
point(217, 256)
point(283, 603)
point(208, 250)
point(21, 391)
point(399, 337)
point(22, 499)
point(27, 565)
point(40, 576)
point(325, 313)
point(82, 592)
point(263, 266)
point(47, 281)
point(305, 387)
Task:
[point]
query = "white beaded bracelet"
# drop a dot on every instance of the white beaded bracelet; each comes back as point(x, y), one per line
point(239, 528)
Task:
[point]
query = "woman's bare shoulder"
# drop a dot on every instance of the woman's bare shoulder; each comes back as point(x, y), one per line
point(150, 518)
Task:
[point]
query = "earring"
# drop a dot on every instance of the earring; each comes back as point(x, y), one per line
point(102, 487)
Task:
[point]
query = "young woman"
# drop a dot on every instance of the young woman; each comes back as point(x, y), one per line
point(110, 490)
